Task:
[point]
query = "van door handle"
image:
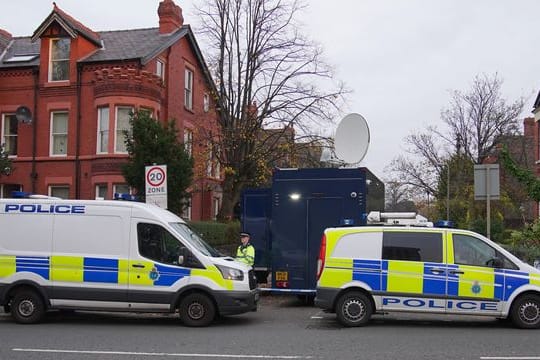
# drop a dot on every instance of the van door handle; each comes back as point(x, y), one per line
point(437, 271)
point(456, 272)
point(140, 266)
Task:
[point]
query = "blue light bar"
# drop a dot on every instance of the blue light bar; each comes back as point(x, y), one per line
point(125, 197)
point(444, 224)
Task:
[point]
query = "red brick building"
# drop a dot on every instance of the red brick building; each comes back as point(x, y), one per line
point(80, 87)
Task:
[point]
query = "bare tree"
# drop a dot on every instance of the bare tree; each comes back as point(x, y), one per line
point(474, 121)
point(268, 76)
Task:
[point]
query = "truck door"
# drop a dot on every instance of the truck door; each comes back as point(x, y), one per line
point(319, 216)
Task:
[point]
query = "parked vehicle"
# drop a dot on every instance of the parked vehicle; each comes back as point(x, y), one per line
point(113, 256)
point(379, 269)
point(287, 221)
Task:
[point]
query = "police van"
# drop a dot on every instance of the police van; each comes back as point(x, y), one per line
point(113, 256)
point(380, 269)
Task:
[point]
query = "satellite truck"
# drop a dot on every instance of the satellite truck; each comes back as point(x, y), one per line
point(287, 220)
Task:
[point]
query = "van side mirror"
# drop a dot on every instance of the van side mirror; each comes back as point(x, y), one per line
point(495, 262)
point(182, 255)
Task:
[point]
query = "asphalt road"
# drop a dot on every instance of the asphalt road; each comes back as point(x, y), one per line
point(283, 328)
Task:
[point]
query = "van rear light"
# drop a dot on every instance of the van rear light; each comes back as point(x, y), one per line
point(322, 257)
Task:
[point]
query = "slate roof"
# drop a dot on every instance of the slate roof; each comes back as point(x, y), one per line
point(142, 44)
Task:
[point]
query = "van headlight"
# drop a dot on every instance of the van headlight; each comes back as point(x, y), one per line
point(230, 273)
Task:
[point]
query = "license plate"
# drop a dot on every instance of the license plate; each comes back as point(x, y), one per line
point(282, 276)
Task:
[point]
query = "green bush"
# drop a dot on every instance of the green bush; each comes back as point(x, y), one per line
point(218, 234)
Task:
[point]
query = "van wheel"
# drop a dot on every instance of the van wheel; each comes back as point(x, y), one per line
point(525, 312)
point(27, 307)
point(354, 309)
point(197, 309)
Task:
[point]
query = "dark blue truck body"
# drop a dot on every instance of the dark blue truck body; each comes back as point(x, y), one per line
point(287, 220)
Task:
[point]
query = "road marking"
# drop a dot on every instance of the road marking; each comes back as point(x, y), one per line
point(510, 357)
point(131, 353)
point(317, 317)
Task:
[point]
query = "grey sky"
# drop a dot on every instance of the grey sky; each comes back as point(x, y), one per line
point(401, 58)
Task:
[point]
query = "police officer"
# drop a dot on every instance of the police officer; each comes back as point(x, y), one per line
point(245, 252)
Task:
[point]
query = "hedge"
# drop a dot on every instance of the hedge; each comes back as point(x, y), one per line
point(218, 234)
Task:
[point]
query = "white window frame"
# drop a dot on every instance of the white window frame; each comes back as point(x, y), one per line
point(188, 89)
point(160, 69)
point(4, 136)
point(188, 142)
point(51, 187)
point(215, 205)
point(116, 186)
point(100, 131)
point(186, 212)
point(52, 134)
point(206, 102)
point(97, 190)
point(117, 132)
point(57, 60)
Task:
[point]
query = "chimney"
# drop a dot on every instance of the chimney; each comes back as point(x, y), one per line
point(5, 38)
point(528, 127)
point(170, 17)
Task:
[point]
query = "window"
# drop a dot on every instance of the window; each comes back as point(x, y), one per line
point(160, 69)
point(216, 208)
point(59, 65)
point(60, 191)
point(9, 134)
point(123, 114)
point(156, 243)
point(188, 90)
point(469, 250)
point(101, 191)
point(7, 189)
point(412, 246)
point(188, 142)
point(103, 130)
point(206, 102)
point(186, 211)
point(59, 133)
point(121, 189)
point(217, 164)
point(362, 245)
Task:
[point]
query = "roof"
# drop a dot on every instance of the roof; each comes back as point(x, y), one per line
point(137, 44)
point(537, 102)
point(72, 26)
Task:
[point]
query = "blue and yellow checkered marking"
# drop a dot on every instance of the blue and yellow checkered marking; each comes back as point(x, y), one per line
point(91, 270)
point(369, 272)
point(36, 265)
point(100, 270)
point(391, 276)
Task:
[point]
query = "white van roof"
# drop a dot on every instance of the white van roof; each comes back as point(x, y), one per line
point(138, 209)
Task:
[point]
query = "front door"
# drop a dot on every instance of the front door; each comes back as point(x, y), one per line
point(475, 276)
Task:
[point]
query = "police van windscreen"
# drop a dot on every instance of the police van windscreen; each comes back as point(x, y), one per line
point(194, 239)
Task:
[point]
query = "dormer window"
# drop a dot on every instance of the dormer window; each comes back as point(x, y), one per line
point(59, 63)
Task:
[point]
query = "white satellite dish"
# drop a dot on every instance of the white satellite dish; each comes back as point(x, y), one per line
point(352, 138)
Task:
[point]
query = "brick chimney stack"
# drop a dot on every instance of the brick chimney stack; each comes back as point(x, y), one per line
point(170, 17)
point(528, 127)
point(5, 38)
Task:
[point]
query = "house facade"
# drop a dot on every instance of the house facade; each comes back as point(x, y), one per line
point(66, 94)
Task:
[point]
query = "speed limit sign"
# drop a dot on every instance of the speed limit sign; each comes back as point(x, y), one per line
point(156, 185)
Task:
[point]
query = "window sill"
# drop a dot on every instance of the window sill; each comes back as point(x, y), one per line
point(189, 110)
point(57, 83)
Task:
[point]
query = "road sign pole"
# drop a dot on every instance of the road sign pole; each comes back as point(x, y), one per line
point(488, 204)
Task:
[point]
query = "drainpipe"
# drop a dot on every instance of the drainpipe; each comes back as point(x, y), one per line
point(78, 138)
point(33, 174)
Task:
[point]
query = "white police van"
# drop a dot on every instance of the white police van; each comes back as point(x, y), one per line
point(379, 269)
point(113, 256)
